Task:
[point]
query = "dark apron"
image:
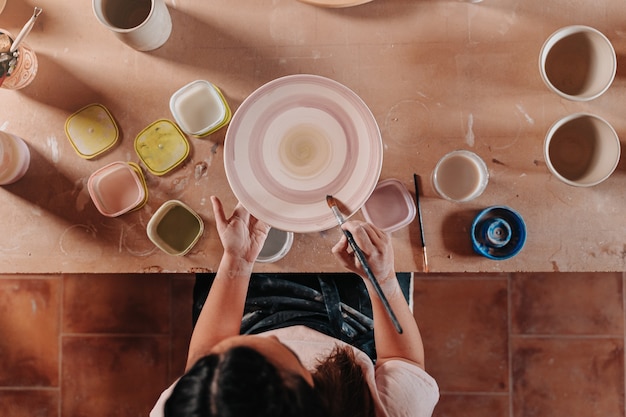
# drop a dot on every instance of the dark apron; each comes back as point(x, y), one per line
point(337, 305)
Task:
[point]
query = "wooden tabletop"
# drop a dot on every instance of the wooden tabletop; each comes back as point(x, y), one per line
point(437, 75)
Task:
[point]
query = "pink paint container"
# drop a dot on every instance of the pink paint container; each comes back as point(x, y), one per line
point(117, 188)
point(390, 207)
point(14, 158)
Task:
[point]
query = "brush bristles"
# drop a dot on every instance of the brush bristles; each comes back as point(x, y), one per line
point(331, 201)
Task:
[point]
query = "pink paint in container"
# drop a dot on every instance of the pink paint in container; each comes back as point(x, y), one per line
point(390, 207)
point(117, 188)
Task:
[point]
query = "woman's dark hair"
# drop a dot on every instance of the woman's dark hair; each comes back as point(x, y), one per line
point(241, 383)
point(339, 380)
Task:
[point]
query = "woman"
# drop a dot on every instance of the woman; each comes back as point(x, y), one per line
point(297, 371)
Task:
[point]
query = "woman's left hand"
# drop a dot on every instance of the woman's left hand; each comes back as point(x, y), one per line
point(242, 234)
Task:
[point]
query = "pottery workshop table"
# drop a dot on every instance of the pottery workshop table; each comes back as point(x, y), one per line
point(438, 75)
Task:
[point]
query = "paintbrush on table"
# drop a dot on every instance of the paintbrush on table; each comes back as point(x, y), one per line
point(332, 203)
point(419, 218)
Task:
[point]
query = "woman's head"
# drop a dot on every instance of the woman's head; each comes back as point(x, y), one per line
point(245, 376)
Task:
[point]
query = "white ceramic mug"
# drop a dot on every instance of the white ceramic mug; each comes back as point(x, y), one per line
point(578, 63)
point(144, 25)
point(460, 176)
point(14, 158)
point(582, 149)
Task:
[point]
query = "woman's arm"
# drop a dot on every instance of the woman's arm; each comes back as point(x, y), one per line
point(378, 250)
point(242, 237)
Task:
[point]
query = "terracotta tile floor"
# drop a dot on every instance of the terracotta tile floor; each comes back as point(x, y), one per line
point(499, 345)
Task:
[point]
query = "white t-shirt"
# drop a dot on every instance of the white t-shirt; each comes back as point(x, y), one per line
point(399, 388)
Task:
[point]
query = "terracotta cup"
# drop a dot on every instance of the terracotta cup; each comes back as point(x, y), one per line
point(25, 68)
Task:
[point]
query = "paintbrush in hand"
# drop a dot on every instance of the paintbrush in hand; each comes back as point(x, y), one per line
point(332, 203)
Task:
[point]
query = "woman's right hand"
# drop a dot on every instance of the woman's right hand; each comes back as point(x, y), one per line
point(242, 234)
point(376, 246)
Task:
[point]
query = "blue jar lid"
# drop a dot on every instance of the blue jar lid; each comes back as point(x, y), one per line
point(498, 233)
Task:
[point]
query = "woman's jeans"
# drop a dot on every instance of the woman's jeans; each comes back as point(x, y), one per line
point(337, 305)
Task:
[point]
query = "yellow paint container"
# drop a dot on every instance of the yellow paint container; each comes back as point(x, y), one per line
point(91, 131)
point(161, 146)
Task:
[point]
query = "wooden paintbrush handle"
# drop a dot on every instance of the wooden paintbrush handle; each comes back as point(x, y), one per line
point(370, 275)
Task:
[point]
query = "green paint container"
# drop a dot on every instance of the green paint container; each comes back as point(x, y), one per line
point(175, 228)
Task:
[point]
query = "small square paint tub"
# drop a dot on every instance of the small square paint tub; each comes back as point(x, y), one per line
point(199, 108)
point(390, 207)
point(91, 131)
point(175, 228)
point(117, 188)
point(161, 146)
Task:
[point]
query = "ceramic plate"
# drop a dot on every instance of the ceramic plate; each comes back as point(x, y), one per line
point(336, 3)
point(294, 141)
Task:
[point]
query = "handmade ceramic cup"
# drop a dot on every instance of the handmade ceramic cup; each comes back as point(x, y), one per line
point(25, 69)
point(582, 149)
point(460, 176)
point(14, 158)
point(144, 25)
point(578, 63)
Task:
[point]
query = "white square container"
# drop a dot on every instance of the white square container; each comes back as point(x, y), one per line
point(199, 108)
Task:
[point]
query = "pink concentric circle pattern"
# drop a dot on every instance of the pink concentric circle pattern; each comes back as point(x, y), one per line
point(295, 140)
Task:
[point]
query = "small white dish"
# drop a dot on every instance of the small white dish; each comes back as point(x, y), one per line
point(276, 246)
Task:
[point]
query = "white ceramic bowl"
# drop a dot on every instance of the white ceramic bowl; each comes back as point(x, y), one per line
point(582, 149)
point(578, 63)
